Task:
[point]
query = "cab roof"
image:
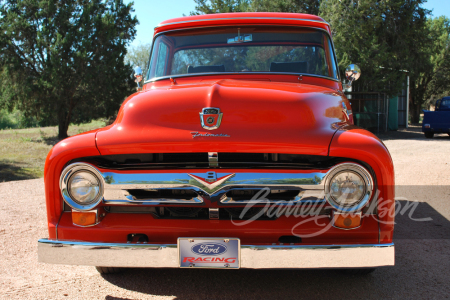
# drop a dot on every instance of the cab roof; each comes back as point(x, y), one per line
point(250, 18)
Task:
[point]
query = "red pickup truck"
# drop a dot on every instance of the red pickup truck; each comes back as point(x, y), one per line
point(238, 151)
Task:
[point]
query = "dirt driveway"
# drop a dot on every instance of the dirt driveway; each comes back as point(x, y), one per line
point(422, 249)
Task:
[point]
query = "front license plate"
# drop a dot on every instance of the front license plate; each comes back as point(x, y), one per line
point(218, 253)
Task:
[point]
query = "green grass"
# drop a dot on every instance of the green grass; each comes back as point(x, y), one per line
point(23, 151)
point(16, 119)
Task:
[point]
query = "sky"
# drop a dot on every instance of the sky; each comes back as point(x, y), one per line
point(151, 12)
point(439, 7)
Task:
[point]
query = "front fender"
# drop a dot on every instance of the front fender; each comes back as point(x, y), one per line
point(356, 143)
point(73, 147)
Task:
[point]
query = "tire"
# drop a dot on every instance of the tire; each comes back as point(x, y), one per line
point(429, 135)
point(108, 270)
point(359, 272)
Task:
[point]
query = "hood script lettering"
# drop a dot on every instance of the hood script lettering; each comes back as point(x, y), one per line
point(197, 134)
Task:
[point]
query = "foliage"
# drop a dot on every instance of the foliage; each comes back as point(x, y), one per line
point(386, 37)
point(63, 61)
point(297, 6)
point(138, 56)
point(220, 6)
point(382, 37)
point(16, 119)
point(227, 6)
point(438, 77)
point(429, 63)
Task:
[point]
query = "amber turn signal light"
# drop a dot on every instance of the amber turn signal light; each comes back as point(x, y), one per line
point(84, 218)
point(346, 220)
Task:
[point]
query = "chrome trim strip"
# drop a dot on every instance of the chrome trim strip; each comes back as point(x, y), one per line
point(196, 200)
point(116, 181)
point(242, 18)
point(252, 256)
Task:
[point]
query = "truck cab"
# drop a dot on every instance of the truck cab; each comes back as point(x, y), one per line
point(437, 121)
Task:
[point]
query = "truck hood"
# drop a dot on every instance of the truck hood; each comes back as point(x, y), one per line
point(258, 116)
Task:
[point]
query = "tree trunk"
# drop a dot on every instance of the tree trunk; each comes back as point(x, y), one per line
point(415, 113)
point(63, 125)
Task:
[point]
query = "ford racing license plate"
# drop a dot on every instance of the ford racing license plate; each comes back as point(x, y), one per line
point(209, 253)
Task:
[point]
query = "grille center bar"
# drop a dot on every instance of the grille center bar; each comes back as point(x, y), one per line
point(213, 159)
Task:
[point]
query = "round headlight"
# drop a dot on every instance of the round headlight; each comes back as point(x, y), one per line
point(83, 187)
point(348, 187)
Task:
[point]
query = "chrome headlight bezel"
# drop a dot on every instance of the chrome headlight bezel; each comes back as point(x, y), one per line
point(67, 174)
point(365, 176)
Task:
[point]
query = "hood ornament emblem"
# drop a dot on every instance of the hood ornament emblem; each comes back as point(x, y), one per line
point(211, 181)
point(210, 118)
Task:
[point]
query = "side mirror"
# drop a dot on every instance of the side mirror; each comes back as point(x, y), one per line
point(352, 73)
point(138, 76)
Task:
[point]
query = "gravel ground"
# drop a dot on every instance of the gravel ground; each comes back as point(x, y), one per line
point(422, 255)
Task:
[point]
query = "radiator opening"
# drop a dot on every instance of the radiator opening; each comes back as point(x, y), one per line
point(145, 194)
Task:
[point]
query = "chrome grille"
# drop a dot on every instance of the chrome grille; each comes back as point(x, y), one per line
point(184, 188)
point(150, 179)
point(159, 161)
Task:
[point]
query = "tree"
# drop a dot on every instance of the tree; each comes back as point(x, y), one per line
point(220, 6)
point(138, 56)
point(383, 37)
point(227, 6)
point(63, 60)
point(431, 79)
point(294, 6)
point(439, 86)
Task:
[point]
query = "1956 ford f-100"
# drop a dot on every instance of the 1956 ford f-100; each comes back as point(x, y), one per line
point(238, 151)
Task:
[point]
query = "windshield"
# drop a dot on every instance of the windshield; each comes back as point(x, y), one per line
point(244, 49)
point(444, 104)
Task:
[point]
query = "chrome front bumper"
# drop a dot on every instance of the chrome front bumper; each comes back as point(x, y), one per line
point(253, 257)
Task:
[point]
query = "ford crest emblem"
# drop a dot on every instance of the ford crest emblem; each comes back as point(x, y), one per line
point(209, 249)
point(210, 118)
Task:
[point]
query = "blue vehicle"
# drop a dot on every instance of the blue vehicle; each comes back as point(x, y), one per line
point(437, 121)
